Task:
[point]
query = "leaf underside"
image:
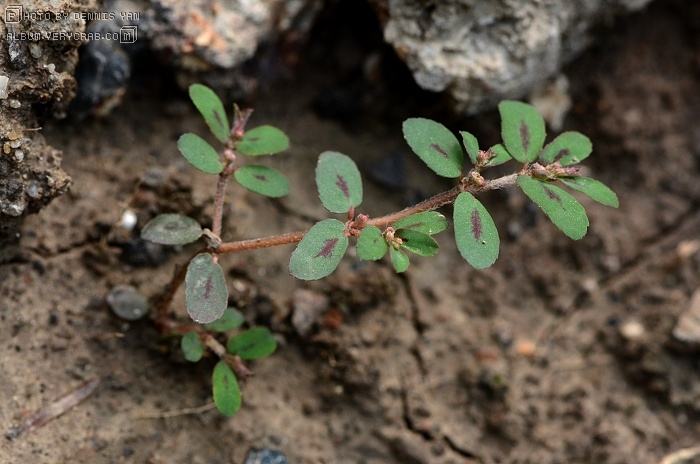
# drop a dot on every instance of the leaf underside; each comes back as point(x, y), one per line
point(171, 229)
point(263, 180)
point(567, 148)
point(475, 232)
point(435, 145)
point(206, 294)
point(320, 251)
point(472, 146)
point(428, 222)
point(560, 207)
point(211, 109)
point(338, 181)
point(263, 140)
point(399, 260)
point(254, 343)
point(418, 242)
point(522, 130)
point(594, 189)
point(371, 244)
point(199, 153)
point(225, 389)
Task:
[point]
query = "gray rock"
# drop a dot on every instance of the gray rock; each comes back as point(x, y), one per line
point(35, 73)
point(481, 51)
point(127, 303)
point(308, 307)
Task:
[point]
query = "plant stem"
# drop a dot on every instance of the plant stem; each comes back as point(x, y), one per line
point(434, 202)
point(219, 202)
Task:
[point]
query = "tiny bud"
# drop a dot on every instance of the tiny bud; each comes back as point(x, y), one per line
point(484, 157)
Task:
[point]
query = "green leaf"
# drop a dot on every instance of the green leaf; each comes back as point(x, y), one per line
point(522, 130)
point(254, 343)
point(595, 189)
point(171, 229)
point(211, 108)
point(435, 145)
point(371, 245)
point(475, 232)
point(562, 209)
point(263, 180)
point(263, 140)
point(206, 295)
point(502, 155)
point(428, 222)
point(199, 153)
point(418, 242)
point(227, 394)
point(338, 181)
point(191, 346)
point(399, 259)
point(568, 148)
point(231, 319)
point(472, 146)
point(320, 251)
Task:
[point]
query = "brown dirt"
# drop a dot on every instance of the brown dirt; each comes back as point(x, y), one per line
point(434, 367)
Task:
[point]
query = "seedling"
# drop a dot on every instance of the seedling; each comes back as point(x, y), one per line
point(543, 170)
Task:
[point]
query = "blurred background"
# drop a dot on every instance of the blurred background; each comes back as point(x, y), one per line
point(580, 352)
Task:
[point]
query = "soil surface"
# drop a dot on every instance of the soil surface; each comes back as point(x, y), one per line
point(561, 352)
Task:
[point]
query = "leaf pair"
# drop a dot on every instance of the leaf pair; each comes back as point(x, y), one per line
point(263, 140)
point(339, 187)
point(255, 343)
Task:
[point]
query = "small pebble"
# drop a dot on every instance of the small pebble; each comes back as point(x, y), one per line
point(4, 82)
point(19, 155)
point(128, 220)
point(15, 104)
point(632, 330)
point(265, 456)
point(526, 348)
point(127, 303)
point(308, 308)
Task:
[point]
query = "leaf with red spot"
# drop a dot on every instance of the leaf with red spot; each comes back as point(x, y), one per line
point(568, 148)
point(560, 207)
point(211, 109)
point(435, 145)
point(338, 181)
point(320, 251)
point(263, 180)
point(522, 130)
point(206, 294)
point(171, 229)
point(263, 140)
point(475, 232)
point(427, 222)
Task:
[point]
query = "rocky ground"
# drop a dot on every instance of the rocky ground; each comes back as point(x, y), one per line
point(562, 352)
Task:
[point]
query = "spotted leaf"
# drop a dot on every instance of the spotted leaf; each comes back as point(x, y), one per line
point(501, 155)
point(191, 346)
point(472, 146)
point(596, 190)
point(212, 110)
point(568, 148)
point(263, 180)
point(522, 130)
point(560, 207)
point(399, 260)
point(206, 295)
point(231, 319)
point(428, 222)
point(199, 153)
point(225, 389)
point(320, 251)
point(338, 181)
point(418, 242)
point(435, 145)
point(263, 140)
point(171, 229)
point(371, 244)
point(475, 232)
point(254, 343)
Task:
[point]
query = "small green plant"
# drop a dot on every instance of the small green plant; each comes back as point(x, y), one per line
point(321, 248)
